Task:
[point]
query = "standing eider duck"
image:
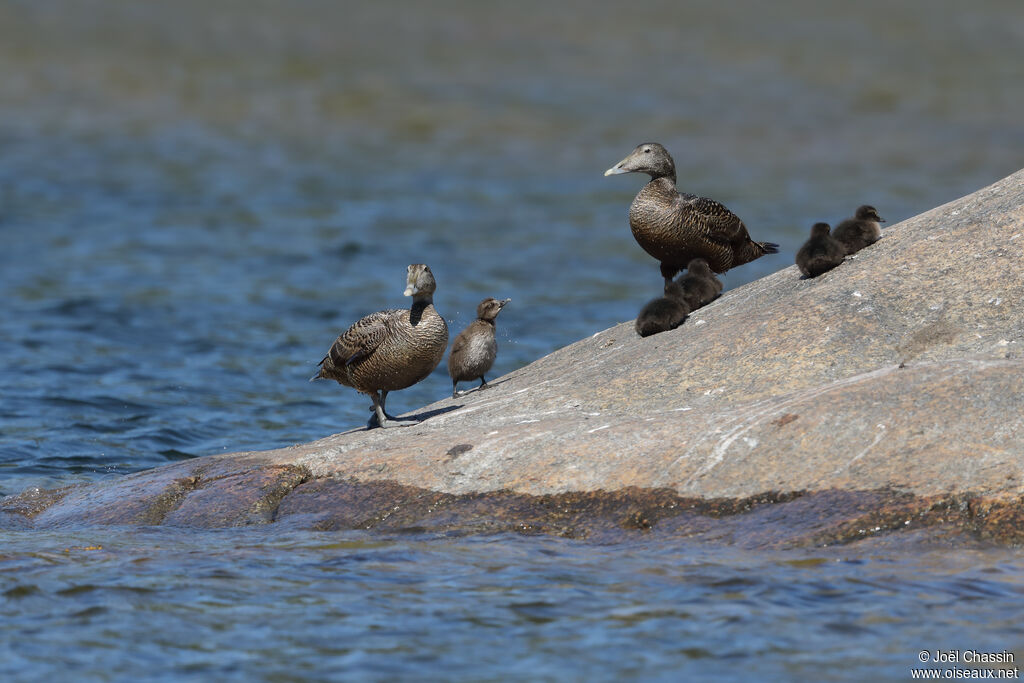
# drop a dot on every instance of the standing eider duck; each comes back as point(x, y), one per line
point(675, 228)
point(861, 230)
point(475, 348)
point(699, 285)
point(664, 313)
point(821, 253)
point(390, 350)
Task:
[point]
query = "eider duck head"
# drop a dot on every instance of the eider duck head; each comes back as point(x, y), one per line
point(420, 282)
point(699, 266)
point(489, 308)
point(820, 230)
point(868, 213)
point(650, 158)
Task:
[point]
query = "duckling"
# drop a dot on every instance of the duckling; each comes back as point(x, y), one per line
point(699, 285)
point(391, 349)
point(861, 230)
point(820, 253)
point(675, 228)
point(664, 313)
point(475, 348)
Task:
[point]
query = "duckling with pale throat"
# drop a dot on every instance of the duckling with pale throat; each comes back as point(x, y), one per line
point(391, 349)
point(699, 285)
point(821, 253)
point(664, 313)
point(675, 228)
point(860, 231)
point(475, 348)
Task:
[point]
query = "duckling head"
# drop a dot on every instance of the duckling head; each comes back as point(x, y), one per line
point(650, 158)
point(699, 266)
point(489, 308)
point(820, 230)
point(868, 213)
point(674, 290)
point(420, 281)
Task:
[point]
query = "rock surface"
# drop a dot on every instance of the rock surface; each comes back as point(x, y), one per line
point(886, 393)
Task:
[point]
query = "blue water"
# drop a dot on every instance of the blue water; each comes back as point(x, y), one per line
point(196, 198)
point(150, 604)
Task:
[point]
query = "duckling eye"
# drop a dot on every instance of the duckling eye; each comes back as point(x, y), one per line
point(647, 151)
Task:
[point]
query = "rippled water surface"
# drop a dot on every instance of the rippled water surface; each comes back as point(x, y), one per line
point(195, 198)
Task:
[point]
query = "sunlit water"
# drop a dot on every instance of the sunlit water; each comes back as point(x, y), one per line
point(196, 198)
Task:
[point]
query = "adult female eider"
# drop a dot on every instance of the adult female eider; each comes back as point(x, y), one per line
point(861, 230)
point(821, 253)
point(675, 228)
point(664, 313)
point(475, 348)
point(392, 349)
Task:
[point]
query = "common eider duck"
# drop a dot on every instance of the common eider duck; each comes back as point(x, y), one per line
point(675, 228)
point(861, 230)
point(392, 349)
point(820, 253)
point(664, 313)
point(699, 285)
point(475, 348)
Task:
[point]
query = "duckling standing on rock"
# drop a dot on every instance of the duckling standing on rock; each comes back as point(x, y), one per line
point(675, 228)
point(664, 313)
point(390, 350)
point(861, 230)
point(699, 285)
point(475, 348)
point(820, 253)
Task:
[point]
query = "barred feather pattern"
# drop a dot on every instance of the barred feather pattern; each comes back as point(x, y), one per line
point(388, 350)
point(675, 228)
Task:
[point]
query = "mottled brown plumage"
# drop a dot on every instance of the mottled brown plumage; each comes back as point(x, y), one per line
point(664, 313)
point(390, 350)
point(861, 230)
point(821, 253)
point(476, 347)
point(699, 285)
point(675, 228)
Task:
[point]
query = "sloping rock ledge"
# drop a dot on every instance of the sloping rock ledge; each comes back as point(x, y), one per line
point(881, 400)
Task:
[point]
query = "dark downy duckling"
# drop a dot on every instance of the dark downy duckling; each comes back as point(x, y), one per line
point(861, 230)
point(664, 313)
point(675, 228)
point(699, 285)
point(392, 349)
point(475, 348)
point(820, 253)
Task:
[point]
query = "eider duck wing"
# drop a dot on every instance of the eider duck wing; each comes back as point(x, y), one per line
point(460, 342)
point(362, 338)
point(713, 219)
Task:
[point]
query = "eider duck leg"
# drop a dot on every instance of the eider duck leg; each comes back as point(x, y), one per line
point(380, 416)
point(669, 271)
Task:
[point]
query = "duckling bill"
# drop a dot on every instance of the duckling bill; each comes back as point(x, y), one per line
point(476, 347)
point(860, 231)
point(676, 227)
point(392, 349)
point(821, 253)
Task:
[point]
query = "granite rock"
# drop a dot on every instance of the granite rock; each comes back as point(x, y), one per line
point(897, 377)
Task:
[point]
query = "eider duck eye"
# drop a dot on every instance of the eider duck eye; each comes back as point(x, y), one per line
point(647, 151)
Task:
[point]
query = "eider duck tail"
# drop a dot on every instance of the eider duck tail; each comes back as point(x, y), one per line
point(320, 370)
point(769, 247)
